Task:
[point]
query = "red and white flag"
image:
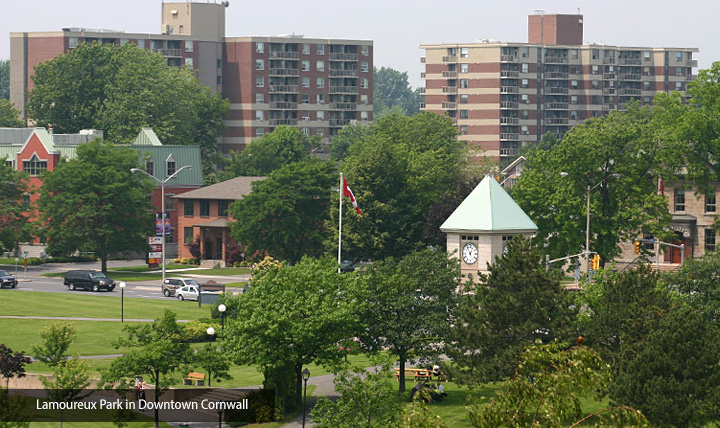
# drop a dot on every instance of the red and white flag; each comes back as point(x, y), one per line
point(661, 186)
point(347, 192)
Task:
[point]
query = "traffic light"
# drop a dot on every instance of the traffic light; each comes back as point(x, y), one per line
point(637, 247)
point(595, 262)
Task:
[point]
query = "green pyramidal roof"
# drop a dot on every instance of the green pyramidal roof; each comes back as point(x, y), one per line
point(488, 208)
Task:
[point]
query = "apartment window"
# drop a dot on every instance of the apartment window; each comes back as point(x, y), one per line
point(259, 132)
point(218, 63)
point(150, 167)
point(525, 98)
point(596, 54)
point(595, 69)
point(259, 64)
point(574, 84)
point(363, 99)
point(305, 65)
point(710, 203)
point(305, 115)
point(595, 84)
point(646, 99)
point(525, 51)
point(305, 99)
point(305, 82)
point(260, 97)
point(260, 82)
point(320, 132)
point(320, 98)
point(306, 48)
point(306, 131)
point(573, 53)
point(364, 83)
point(364, 66)
point(189, 207)
point(573, 114)
point(574, 99)
point(678, 56)
point(646, 55)
point(189, 63)
point(646, 71)
point(189, 46)
point(188, 235)
point(464, 83)
point(141, 44)
point(524, 114)
point(678, 71)
point(320, 82)
point(218, 80)
point(464, 52)
point(260, 47)
point(320, 65)
point(321, 115)
point(169, 201)
point(259, 115)
point(646, 86)
point(464, 98)
point(464, 68)
point(709, 240)
point(73, 42)
point(463, 129)
point(182, 29)
point(364, 116)
point(595, 99)
point(524, 83)
point(463, 114)
point(365, 50)
point(223, 208)
point(171, 167)
point(204, 208)
point(321, 49)
point(524, 67)
point(679, 199)
point(678, 86)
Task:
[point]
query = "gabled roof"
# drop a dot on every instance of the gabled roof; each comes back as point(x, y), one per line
point(147, 137)
point(516, 162)
point(230, 190)
point(488, 208)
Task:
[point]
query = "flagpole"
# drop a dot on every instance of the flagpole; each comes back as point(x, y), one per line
point(340, 224)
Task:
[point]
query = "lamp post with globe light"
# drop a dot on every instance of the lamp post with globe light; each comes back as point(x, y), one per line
point(305, 377)
point(222, 308)
point(122, 301)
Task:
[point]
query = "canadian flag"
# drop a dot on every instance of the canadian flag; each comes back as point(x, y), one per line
point(347, 192)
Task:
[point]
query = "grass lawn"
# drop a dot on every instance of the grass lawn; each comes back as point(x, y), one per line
point(32, 303)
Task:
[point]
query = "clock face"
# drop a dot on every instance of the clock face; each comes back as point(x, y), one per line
point(470, 253)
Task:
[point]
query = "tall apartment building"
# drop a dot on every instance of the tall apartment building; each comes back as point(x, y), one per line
point(504, 96)
point(317, 84)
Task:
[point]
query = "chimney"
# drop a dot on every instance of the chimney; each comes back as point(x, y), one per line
point(555, 29)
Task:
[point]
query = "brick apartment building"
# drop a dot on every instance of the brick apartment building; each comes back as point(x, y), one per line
point(504, 96)
point(318, 85)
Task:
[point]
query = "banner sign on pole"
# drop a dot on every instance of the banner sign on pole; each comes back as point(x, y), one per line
point(159, 224)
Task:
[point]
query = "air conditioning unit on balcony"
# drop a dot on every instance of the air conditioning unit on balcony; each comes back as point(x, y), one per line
point(166, 29)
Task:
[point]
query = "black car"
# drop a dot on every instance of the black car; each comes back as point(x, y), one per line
point(7, 279)
point(347, 266)
point(88, 280)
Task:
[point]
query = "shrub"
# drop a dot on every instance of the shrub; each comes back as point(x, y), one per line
point(196, 331)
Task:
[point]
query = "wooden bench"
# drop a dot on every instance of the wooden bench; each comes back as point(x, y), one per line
point(199, 379)
point(417, 374)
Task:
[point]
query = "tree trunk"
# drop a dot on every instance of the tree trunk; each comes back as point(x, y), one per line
point(103, 260)
point(298, 384)
point(157, 399)
point(209, 377)
point(402, 372)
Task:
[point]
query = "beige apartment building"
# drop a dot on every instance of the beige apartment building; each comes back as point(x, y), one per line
point(504, 96)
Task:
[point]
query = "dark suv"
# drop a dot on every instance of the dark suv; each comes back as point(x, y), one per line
point(88, 280)
point(7, 279)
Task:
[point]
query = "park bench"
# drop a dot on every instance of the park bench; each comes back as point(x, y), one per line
point(198, 378)
point(417, 374)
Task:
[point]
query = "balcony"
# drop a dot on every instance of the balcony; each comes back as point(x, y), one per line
point(509, 105)
point(509, 90)
point(690, 77)
point(339, 122)
point(629, 61)
point(284, 88)
point(557, 121)
point(608, 60)
point(343, 106)
point(556, 106)
point(508, 58)
point(283, 72)
point(556, 75)
point(609, 91)
point(691, 63)
point(283, 55)
point(508, 151)
point(449, 89)
point(608, 76)
point(629, 92)
point(341, 56)
point(343, 73)
point(509, 73)
point(509, 121)
point(283, 105)
point(556, 60)
point(557, 90)
point(449, 58)
point(449, 74)
point(168, 52)
point(629, 77)
point(422, 60)
point(278, 122)
point(343, 89)
point(608, 107)
point(510, 136)
point(448, 106)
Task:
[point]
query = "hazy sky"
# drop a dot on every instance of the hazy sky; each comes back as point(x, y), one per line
point(397, 27)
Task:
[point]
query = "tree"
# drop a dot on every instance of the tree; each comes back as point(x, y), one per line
point(4, 79)
point(406, 301)
point(213, 361)
point(546, 391)
point(635, 144)
point(14, 224)
point(270, 152)
point(348, 135)
point(392, 93)
point(68, 382)
point(443, 208)
point(367, 399)
point(56, 340)
point(14, 413)
point(95, 203)
point(120, 89)
point(155, 350)
point(12, 364)
point(291, 317)
point(517, 303)
point(9, 115)
point(285, 216)
point(697, 283)
point(397, 173)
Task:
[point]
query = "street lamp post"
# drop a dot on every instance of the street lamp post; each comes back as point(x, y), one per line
point(222, 308)
point(162, 213)
point(305, 376)
point(122, 301)
point(587, 210)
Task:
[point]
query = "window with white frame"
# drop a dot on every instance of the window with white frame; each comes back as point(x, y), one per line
point(709, 240)
point(259, 132)
point(189, 63)
point(321, 115)
point(524, 67)
point(464, 52)
point(259, 98)
point(306, 131)
point(679, 199)
point(364, 83)
point(305, 82)
point(34, 166)
point(463, 114)
point(363, 99)
point(260, 82)
point(364, 67)
point(306, 49)
point(259, 64)
point(305, 99)
point(464, 98)
point(364, 116)
point(259, 115)
point(710, 203)
point(320, 98)
point(170, 166)
point(189, 46)
point(365, 50)
point(260, 47)
point(464, 68)
point(320, 82)
point(524, 130)
point(305, 65)
point(321, 49)
point(320, 65)
point(150, 167)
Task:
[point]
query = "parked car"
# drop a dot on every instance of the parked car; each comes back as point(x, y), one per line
point(7, 279)
point(188, 292)
point(88, 280)
point(347, 266)
point(171, 285)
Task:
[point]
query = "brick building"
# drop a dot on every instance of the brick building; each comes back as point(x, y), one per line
point(318, 85)
point(504, 95)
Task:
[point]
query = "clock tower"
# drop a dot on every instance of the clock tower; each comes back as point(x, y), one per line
point(480, 227)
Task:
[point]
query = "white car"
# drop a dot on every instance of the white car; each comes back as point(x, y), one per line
point(187, 292)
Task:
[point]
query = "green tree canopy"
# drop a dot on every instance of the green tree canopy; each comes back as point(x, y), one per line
point(56, 340)
point(392, 93)
point(264, 155)
point(285, 216)
point(348, 135)
point(95, 203)
point(397, 173)
point(517, 303)
point(14, 224)
point(697, 283)
point(9, 115)
point(120, 89)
